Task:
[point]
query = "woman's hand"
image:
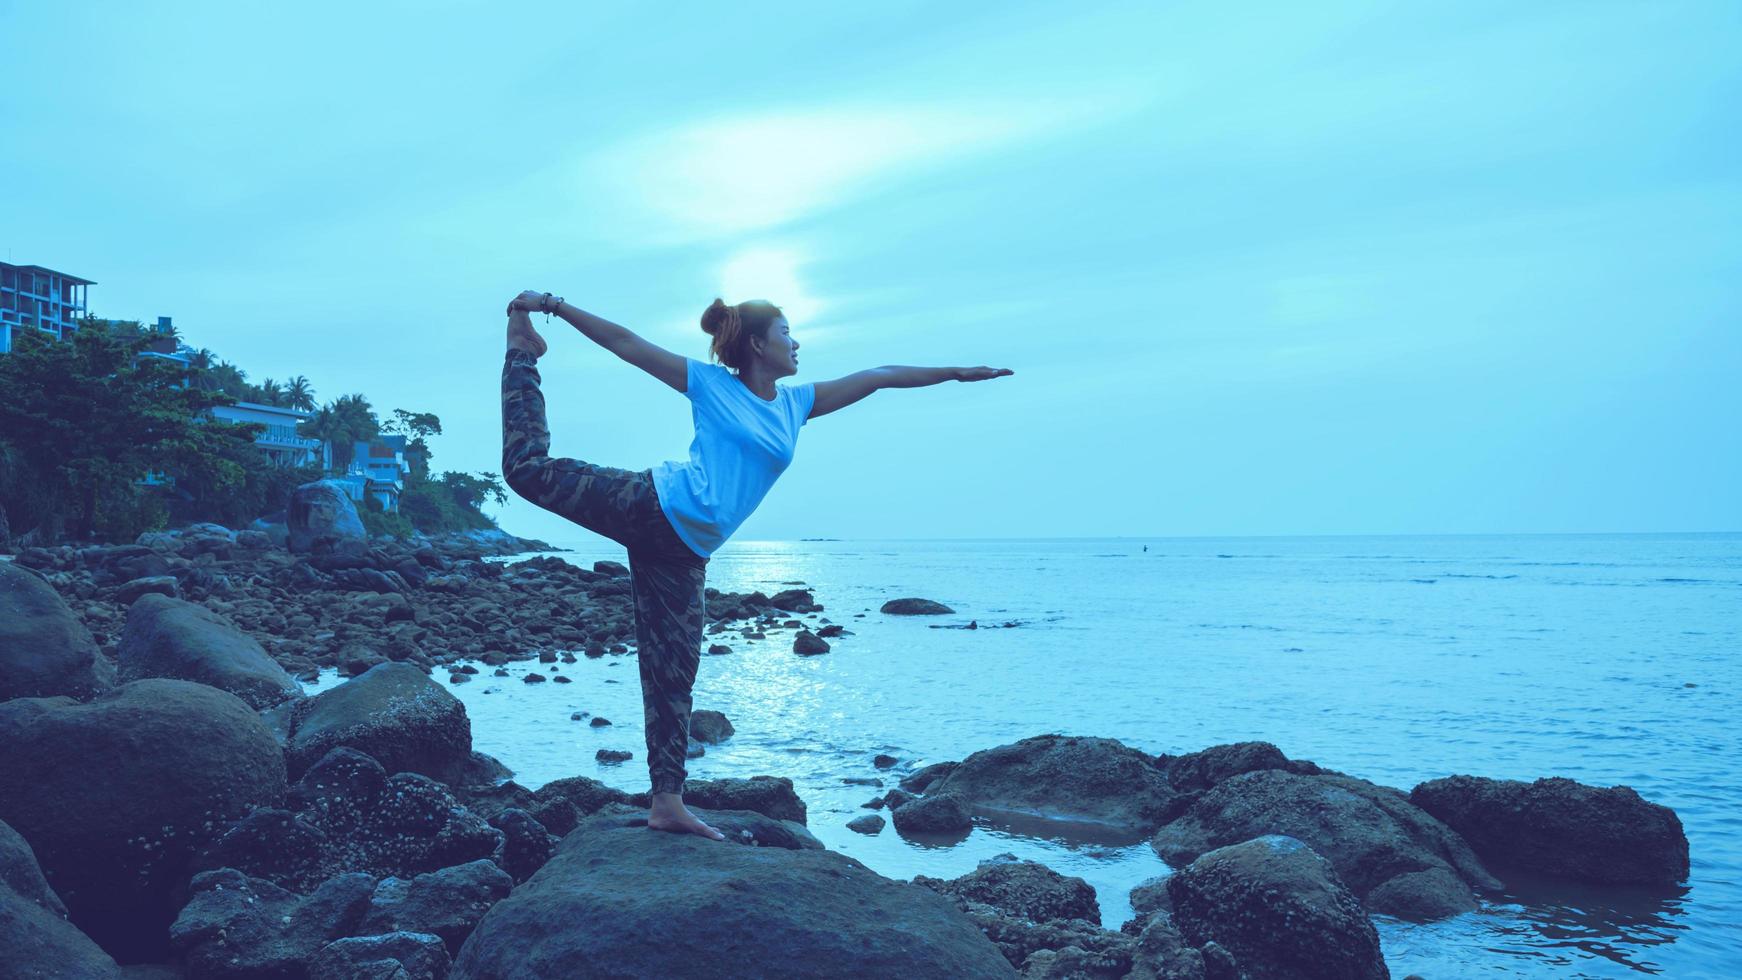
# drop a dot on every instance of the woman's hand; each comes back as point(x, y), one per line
point(530, 300)
point(980, 373)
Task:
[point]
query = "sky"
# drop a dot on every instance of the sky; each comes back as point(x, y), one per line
point(1271, 268)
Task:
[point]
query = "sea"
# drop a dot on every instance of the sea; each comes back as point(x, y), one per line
point(1608, 659)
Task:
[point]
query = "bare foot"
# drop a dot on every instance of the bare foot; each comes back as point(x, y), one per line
point(669, 813)
point(522, 336)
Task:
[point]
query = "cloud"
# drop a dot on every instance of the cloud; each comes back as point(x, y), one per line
point(740, 173)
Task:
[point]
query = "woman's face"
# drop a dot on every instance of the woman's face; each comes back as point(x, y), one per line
point(780, 352)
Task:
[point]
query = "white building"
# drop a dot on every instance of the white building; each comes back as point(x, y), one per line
point(378, 470)
point(279, 442)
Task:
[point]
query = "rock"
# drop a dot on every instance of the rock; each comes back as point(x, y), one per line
point(1024, 890)
point(932, 814)
point(252, 540)
point(130, 592)
point(1162, 953)
point(599, 721)
point(870, 824)
point(882, 761)
point(613, 755)
point(527, 843)
point(587, 796)
point(1198, 771)
point(1370, 834)
point(446, 903)
point(1151, 896)
point(780, 912)
point(1280, 909)
point(36, 940)
point(712, 727)
point(237, 928)
point(808, 644)
point(391, 956)
point(917, 781)
point(392, 712)
point(915, 607)
point(348, 814)
point(615, 569)
point(771, 796)
point(5, 533)
point(717, 649)
point(832, 630)
point(1096, 780)
point(167, 637)
point(322, 515)
point(1559, 827)
point(115, 796)
point(44, 649)
point(795, 600)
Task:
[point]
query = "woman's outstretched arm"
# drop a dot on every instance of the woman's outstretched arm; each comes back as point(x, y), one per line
point(622, 341)
point(841, 392)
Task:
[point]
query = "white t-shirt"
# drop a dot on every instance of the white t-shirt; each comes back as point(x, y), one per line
point(743, 442)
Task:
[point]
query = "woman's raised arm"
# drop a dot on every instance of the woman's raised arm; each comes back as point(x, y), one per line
point(620, 340)
point(841, 392)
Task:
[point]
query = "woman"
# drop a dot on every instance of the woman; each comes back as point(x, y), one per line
point(673, 516)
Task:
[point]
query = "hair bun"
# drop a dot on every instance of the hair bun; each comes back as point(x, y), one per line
point(714, 317)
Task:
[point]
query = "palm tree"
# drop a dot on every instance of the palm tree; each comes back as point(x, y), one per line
point(300, 394)
point(343, 423)
point(271, 392)
point(326, 426)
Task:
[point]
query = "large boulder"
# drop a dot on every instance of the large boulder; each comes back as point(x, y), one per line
point(389, 956)
point(167, 637)
point(914, 606)
point(393, 712)
point(1397, 858)
point(116, 795)
point(1280, 909)
point(1559, 827)
point(655, 904)
point(238, 928)
point(44, 650)
point(36, 940)
point(1096, 780)
point(322, 515)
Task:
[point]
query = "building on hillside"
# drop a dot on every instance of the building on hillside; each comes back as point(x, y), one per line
point(36, 298)
point(280, 442)
point(377, 471)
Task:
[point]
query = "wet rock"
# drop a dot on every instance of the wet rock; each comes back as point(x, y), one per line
point(712, 727)
point(791, 912)
point(870, 824)
point(920, 779)
point(238, 928)
point(718, 649)
point(1280, 909)
point(940, 813)
point(44, 649)
point(1371, 834)
point(1066, 777)
point(915, 607)
point(795, 600)
point(809, 644)
point(1197, 771)
point(883, 761)
point(36, 940)
point(115, 797)
point(446, 903)
point(390, 956)
point(615, 569)
point(321, 515)
point(586, 796)
point(613, 755)
point(167, 637)
point(1559, 827)
point(394, 713)
point(1024, 889)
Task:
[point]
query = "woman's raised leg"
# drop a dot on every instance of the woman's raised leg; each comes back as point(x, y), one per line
point(599, 498)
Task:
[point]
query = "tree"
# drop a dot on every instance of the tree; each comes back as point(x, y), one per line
point(84, 418)
point(343, 423)
point(419, 426)
point(300, 394)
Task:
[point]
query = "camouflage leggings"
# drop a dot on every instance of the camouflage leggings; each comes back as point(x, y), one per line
point(666, 576)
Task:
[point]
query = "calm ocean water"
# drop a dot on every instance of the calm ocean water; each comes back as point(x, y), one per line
point(1609, 659)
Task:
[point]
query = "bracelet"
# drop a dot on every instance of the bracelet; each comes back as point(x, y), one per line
point(549, 303)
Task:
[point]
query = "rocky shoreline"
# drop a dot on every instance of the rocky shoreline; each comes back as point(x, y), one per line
point(173, 805)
